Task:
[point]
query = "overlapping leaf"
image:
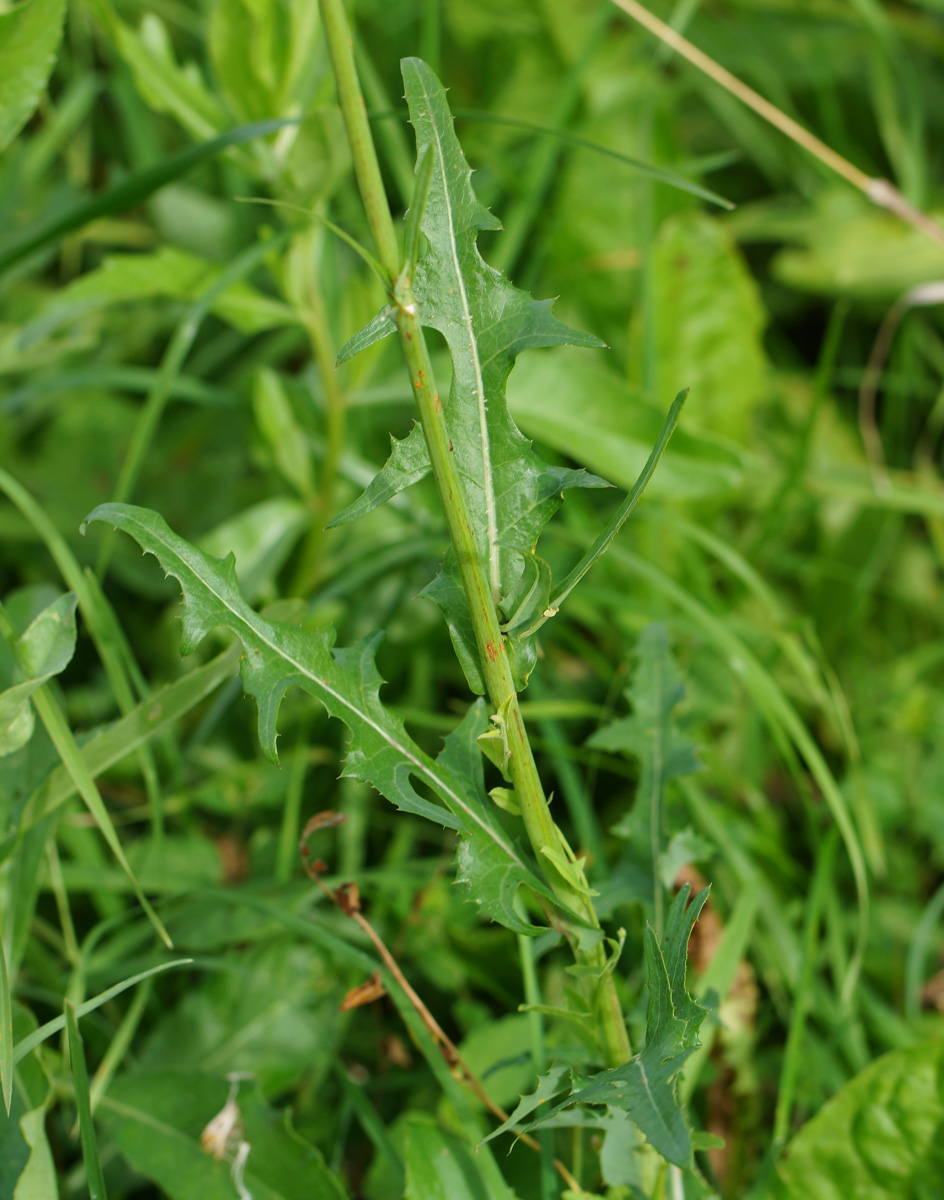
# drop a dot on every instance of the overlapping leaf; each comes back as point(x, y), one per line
point(29, 38)
point(346, 681)
point(646, 1087)
point(511, 493)
point(43, 650)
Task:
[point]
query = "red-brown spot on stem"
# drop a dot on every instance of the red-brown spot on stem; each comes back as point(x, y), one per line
point(451, 447)
point(437, 404)
point(491, 651)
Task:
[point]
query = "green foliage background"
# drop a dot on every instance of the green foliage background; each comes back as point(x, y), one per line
point(167, 340)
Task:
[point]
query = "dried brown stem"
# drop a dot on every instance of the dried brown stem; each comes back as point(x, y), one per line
point(347, 898)
point(879, 191)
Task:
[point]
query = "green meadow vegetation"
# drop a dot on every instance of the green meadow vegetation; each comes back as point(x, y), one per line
point(514, 767)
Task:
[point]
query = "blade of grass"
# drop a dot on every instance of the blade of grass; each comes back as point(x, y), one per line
point(119, 1043)
point(143, 723)
point(879, 191)
point(544, 157)
point(918, 951)
point(90, 1156)
point(579, 807)
point(616, 522)
point(659, 174)
point(127, 194)
point(719, 976)
point(68, 750)
point(171, 366)
point(6, 1032)
point(532, 996)
point(372, 1124)
point(802, 1000)
point(57, 1024)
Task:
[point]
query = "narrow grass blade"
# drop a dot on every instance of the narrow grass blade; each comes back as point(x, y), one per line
point(372, 1124)
point(918, 950)
point(143, 723)
point(57, 1024)
point(6, 1033)
point(719, 976)
point(171, 366)
point(600, 546)
point(93, 1165)
point(120, 1043)
point(802, 1001)
point(127, 194)
point(660, 174)
point(68, 750)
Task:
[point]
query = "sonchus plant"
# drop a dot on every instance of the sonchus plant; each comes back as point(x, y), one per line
point(495, 593)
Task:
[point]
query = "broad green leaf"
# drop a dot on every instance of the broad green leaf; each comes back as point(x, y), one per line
point(44, 649)
point(25, 1155)
point(269, 1012)
point(511, 493)
point(262, 538)
point(581, 407)
point(261, 54)
point(845, 246)
point(650, 735)
point(279, 426)
point(170, 273)
point(881, 1137)
point(163, 83)
point(647, 1086)
point(714, 349)
point(29, 38)
point(90, 1156)
point(346, 681)
point(157, 1121)
point(440, 1167)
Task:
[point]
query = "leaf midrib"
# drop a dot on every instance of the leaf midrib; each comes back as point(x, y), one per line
point(489, 487)
point(430, 775)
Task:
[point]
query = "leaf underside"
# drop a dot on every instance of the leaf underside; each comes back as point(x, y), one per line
point(510, 492)
point(346, 681)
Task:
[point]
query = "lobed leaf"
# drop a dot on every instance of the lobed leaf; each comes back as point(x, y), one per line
point(646, 1087)
point(649, 734)
point(346, 681)
point(511, 493)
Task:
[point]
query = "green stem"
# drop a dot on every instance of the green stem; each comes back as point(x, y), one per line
point(546, 839)
point(363, 154)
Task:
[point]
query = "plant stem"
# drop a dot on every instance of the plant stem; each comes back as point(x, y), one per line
point(546, 839)
point(363, 154)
